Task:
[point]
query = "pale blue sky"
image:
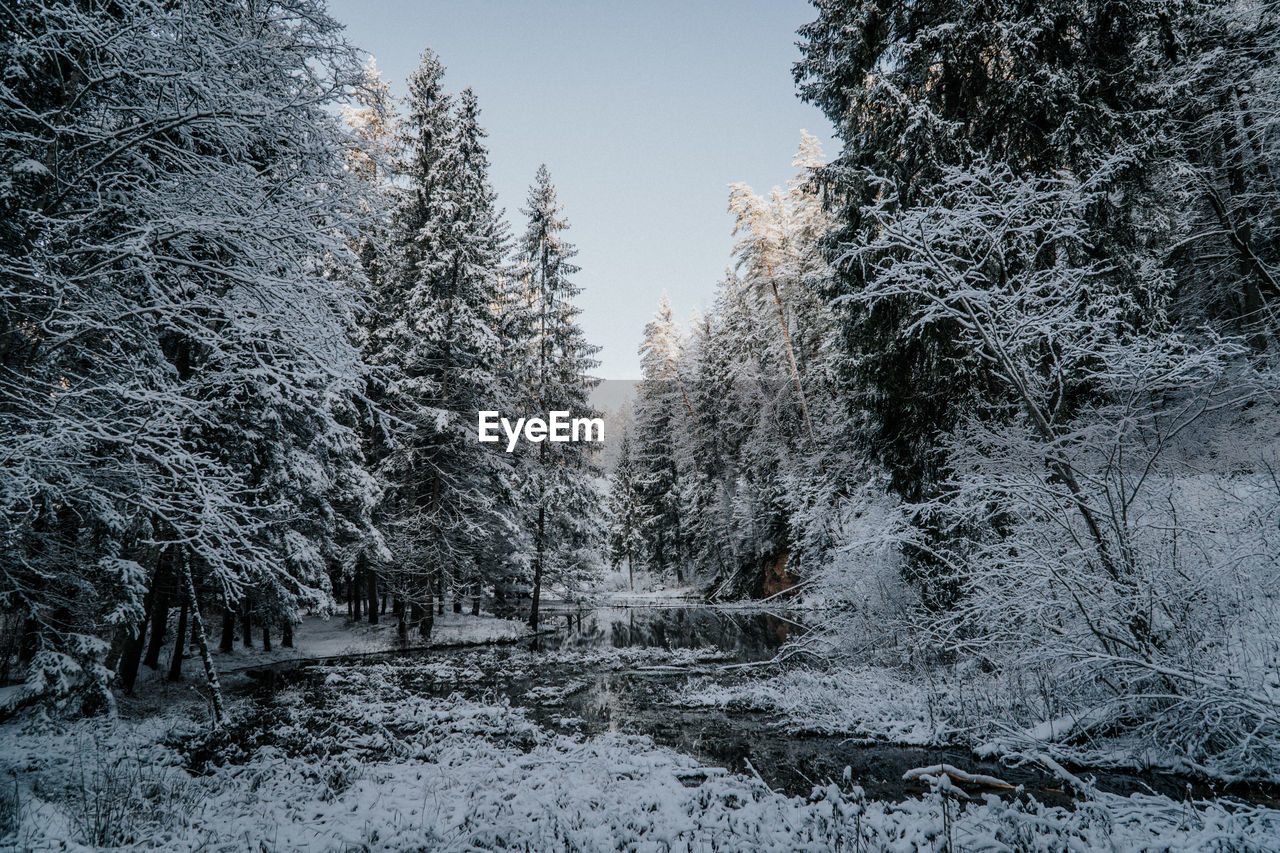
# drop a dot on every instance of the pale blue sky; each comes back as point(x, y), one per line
point(643, 111)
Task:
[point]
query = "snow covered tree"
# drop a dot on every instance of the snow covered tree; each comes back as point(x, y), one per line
point(550, 369)
point(434, 336)
point(660, 416)
point(624, 522)
point(915, 88)
point(776, 255)
point(1224, 95)
point(168, 282)
point(1084, 544)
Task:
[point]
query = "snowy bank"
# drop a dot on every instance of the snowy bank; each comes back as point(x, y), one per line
point(380, 769)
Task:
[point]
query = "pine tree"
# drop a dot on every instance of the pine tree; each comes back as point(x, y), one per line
point(660, 414)
point(435, 338)
point(624, 522)
point(550, 372)
point(707, 481)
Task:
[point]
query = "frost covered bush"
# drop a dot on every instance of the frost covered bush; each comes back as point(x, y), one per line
point(1108, 524)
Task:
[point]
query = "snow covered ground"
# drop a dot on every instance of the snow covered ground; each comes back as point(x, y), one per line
point(656, 597)
point(320, 637)
point(316, 637)
point(380, 769)
point(869, 703)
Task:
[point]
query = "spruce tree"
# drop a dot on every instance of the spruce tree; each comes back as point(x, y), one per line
point(624, 526)
point(435, 341)
point(660, 414)
point(550, 371)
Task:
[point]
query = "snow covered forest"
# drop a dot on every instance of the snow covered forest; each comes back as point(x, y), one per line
point(951, 523)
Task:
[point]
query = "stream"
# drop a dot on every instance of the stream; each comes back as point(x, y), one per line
point(614, 669)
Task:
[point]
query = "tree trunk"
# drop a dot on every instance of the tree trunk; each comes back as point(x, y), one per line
point(402, 626)
point(354, 591)
point(286, 634)
point(372, 582)
point(537, 572)
point(179, 644)
point(159, 613)
point(30, 642)
point(120, 638)
point(132, 657)
point(228, 640)
point(266, 636)
point(246, 624)
point(210, 673)
point(791, 356)
point(428, 616)
point(475, 605)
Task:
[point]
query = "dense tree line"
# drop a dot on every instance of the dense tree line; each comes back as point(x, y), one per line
point(740, 442)
point(242, 342)
point(1029, 306)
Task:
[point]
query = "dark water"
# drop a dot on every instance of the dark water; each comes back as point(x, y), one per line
point(590, 676)
point(738, 635)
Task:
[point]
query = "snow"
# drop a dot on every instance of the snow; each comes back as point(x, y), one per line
point(382, 770)
point(29, 167)
point(869, 703)
point(11, 695)
point(654, 597)
point(319, 638)
point(1046, 732)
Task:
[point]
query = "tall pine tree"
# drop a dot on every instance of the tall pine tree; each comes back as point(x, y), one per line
point(551, 368)
point(435, 339)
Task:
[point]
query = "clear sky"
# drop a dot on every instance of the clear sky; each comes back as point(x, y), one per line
point(643, 111)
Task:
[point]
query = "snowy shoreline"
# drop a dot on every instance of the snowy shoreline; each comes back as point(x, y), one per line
point(380, 769)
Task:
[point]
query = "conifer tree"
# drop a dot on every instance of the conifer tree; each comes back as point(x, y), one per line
point(435, 339)
point(624, 522)
point(660, 414)
point(550, 371)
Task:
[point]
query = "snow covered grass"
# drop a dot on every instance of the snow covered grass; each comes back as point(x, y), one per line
point(871, 703)
point(369, 766)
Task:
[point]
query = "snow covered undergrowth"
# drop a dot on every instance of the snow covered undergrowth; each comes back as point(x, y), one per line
point(364, 765)
point(872, 703)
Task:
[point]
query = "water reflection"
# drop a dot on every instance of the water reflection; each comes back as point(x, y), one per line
point(741, 635)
